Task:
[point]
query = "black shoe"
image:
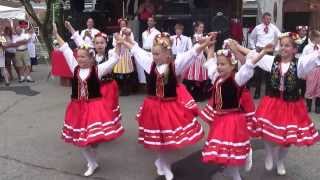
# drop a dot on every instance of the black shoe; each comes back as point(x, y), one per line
point(21, 80)
point(309, 104)
point(7, 84)
point(318, 105)
point(30, 81)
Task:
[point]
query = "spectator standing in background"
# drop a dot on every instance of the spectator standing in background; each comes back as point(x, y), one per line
point(89, 33)
point(32, 47)
point(263, 34)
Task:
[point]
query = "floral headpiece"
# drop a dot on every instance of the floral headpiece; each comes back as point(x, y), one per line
point(163, 39)
point(89, 49)
point(228, 54)
point(292, 35)
point(100, 34)
point(226, 43)
point(302, 28)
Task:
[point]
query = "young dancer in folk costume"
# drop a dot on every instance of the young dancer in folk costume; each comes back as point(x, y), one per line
point(196, 77)
point(88, 120)
point(167, 118)
point(228, 142)
point(109, 87)
point(281, 117)
point(124, 69)
point(246, 100)
point(313, 78)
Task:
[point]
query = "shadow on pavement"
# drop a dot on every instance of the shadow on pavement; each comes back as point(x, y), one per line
point(191, 167)
point(21, 90)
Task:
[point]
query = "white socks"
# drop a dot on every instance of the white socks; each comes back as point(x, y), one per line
point(163, 167)
point(269, 156)
point(90, 156)
point(278, 154)
point(232, 172)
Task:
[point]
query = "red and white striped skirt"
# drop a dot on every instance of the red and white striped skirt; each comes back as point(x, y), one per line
point(313, 84)
point(197, 72)
point(228, 141)
point(88, 122)
point(285, 123)
point(169, 124)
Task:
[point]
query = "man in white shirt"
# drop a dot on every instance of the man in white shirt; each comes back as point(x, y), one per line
point(147, 42)
point(88, 34)
point(149, 34)
point(22, 56)
point(263, 34)
point(180, 43)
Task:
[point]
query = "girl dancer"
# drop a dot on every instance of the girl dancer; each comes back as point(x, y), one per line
point(124, 69)
point(196, 77)
point(88, 121)
point(228, 141)
point(313, 78)
point(167, 118)
point(109, 87)
point(282, 117)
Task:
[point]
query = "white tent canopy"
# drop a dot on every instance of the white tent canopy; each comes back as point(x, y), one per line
point(12, 13)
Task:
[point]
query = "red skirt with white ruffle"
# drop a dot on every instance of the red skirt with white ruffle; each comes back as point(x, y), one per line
point(88, 122)
point(228, 141)
point(166, 124)
point(285, 123)
point(247, 106)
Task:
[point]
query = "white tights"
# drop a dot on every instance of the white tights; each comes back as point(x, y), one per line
point(278, 153)
point(163, 165)
point(90, 155)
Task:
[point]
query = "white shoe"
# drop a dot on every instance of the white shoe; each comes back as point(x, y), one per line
point(91, 169)
point(158, 165)
point(248, 164)
point(168, 173)
point(281, 169)
point(268, 162)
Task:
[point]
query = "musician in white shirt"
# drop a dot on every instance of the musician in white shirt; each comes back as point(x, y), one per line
point(88, 34)
point(180, 43)
point(263, 34)
point(147, 42)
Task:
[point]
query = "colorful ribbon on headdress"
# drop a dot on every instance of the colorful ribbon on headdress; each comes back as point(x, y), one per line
point(294, 36)
point(228, 54)
point(163, 39)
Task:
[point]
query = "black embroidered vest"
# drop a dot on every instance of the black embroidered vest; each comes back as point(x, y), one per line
point(89, 88)
point(226, 94)
point(291, 90)
point(155, 82)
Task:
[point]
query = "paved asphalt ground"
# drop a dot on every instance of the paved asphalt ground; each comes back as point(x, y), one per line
point(31, 117)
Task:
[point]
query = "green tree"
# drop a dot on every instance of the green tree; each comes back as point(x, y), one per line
point(45, 24)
